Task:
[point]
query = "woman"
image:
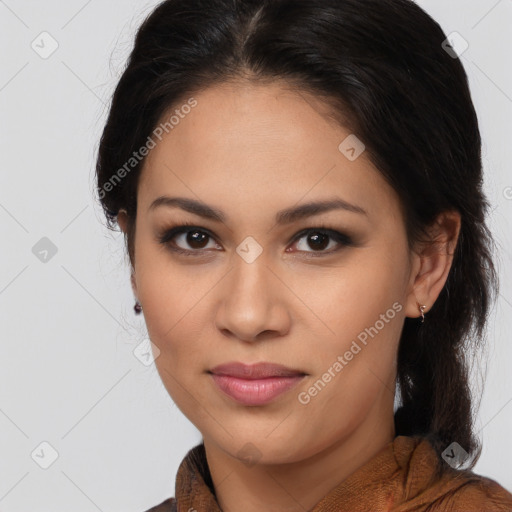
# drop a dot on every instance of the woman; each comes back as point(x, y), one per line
point(300, 187)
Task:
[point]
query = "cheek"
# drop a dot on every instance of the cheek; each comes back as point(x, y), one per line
point(170, 293)
point(177, 330)
point(174, 322)
point(351, 297)
point(361, 312)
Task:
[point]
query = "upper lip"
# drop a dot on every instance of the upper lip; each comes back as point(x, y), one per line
point(255, 371)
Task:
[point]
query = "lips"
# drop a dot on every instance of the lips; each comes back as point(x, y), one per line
point(256, 384)
point(255, 371)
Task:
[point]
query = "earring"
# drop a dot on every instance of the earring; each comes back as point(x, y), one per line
point(137, 308)
point(422, 309)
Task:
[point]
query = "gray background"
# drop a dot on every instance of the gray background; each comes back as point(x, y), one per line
point(68, 374)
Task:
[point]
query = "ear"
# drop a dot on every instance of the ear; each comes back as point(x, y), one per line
point(431, 263)
point(122, 220)
point(134, 283)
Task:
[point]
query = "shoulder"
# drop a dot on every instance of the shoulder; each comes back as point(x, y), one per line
point(169, 505)
point(469, 492)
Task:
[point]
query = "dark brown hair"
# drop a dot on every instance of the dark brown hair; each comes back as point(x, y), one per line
point(382, 66)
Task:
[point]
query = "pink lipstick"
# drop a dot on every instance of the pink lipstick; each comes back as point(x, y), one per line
point(256, 384)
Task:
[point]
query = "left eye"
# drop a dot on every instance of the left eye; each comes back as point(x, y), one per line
point(319, 240)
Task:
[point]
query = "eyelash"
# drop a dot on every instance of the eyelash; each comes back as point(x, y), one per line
point(186, 227)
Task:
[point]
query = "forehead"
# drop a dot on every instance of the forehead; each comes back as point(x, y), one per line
point(246, 142)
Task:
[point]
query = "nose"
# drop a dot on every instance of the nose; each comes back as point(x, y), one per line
point(252, 302)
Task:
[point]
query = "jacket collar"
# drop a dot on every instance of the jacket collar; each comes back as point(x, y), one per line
point(406, 470)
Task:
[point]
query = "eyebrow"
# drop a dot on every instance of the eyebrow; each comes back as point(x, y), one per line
point(286, 216)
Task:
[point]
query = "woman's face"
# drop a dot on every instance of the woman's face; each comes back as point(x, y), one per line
point(257, 287)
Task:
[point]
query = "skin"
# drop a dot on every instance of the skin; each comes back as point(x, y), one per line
point(251, 150)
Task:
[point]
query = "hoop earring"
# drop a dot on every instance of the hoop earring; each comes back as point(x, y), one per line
point(422, 309)
point(137, 308)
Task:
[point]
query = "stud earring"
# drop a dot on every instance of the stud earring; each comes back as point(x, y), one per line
point(137, 308)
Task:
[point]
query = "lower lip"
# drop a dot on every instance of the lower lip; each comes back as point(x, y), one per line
point(256, 391)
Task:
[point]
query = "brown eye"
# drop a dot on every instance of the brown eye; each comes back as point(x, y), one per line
point(196, 239)
point(186, 239)
point(318, 240)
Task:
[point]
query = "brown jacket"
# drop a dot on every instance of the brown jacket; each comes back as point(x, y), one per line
point(402, 477)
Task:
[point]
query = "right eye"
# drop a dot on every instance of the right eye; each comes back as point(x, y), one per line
point(194, 237)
